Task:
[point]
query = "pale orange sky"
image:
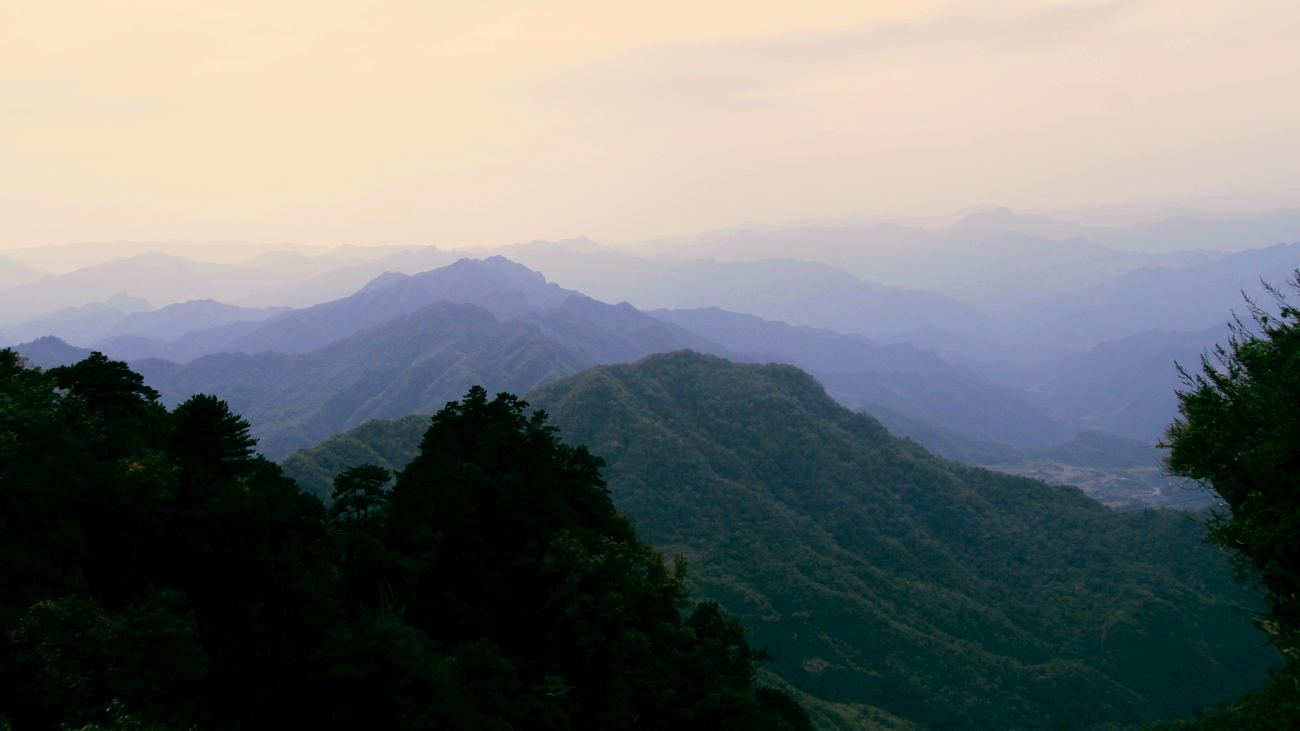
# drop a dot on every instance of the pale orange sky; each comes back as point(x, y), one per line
point(466, 123)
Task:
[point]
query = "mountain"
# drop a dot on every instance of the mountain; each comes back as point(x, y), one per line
point(50, 352)
point(109, 326)
point(969, 253)
point(181, 318)
point(1125, 386)
point(187, 347)
point(880, 575)
point(291, 259)
point(1200, 231)
point(418, 361)
point(586, 266)
point(1189, 298)
point(498, 285)
point(158, 278)
point(159, 573)
point(388, 443)
point(1003, 221)
point(274, 276)
point(315, 261)
point(948, 443)
point(888, 583)
point(408, 362)
point(83, 324)
point(966, 259)
point(862, 374)
point(348, 268)
point(956, 401)
point(15, 273)
point(788, 289)
point(1053, 285)
point(813, 349)
point(415, 363)
point(800, 293)
point(615, 333)
point(1121, 473)
point(846, 246)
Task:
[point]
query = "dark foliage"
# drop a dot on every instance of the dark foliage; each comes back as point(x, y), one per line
point(156, 573)
point(1239, 431)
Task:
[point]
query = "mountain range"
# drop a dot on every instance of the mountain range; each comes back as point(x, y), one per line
point(893, 588)
point(302, 374)
point(896, 589)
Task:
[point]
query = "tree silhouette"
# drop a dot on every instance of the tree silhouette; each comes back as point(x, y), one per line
point(1239, 430)
point(357, 492)
point(207, 437)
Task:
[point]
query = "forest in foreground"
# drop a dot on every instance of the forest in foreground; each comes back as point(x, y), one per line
point(159, 574)
point(166, 575)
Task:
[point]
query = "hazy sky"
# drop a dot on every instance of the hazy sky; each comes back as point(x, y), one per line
point(477, 121)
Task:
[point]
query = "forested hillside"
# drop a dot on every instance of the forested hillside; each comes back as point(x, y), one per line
point(890, 584)
point(158, 574)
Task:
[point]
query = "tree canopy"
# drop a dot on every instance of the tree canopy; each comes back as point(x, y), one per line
point(1239, 431)
point(156, 572)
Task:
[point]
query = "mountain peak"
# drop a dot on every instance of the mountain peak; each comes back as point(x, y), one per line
point(50, 352)
point(126, 303)
point(383, 280)
point(1003, 220)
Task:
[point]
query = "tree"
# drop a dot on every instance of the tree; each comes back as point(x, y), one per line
point(551, 611)
point(157, 573)
point(150, 558)
point(121, 409)
point(357, 492)
point(1239, 431)
point(207, 437)
point(106, 385)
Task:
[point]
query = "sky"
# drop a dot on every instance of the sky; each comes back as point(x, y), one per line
point(486, 122)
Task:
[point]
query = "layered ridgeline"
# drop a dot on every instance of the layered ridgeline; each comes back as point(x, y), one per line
point(406, 344)
point(894, 587)
point(413, 363)
point(402, 344)
point(158, 574)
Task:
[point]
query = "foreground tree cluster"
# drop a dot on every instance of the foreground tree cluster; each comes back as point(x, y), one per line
point(1238, 432)
point(156, 572)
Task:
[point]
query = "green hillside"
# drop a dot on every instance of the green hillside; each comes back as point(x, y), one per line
point(910, 587)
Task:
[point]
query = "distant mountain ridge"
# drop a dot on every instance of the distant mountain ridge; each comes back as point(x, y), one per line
point(98, 324)
point(496, 284)
point(278, 276)
point(416, 362)
point(1001, 410)
point(317, 371)
point(946, 407)
point(15, 273)
point(158, 278)
point(791, 290)
point(866, 375)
